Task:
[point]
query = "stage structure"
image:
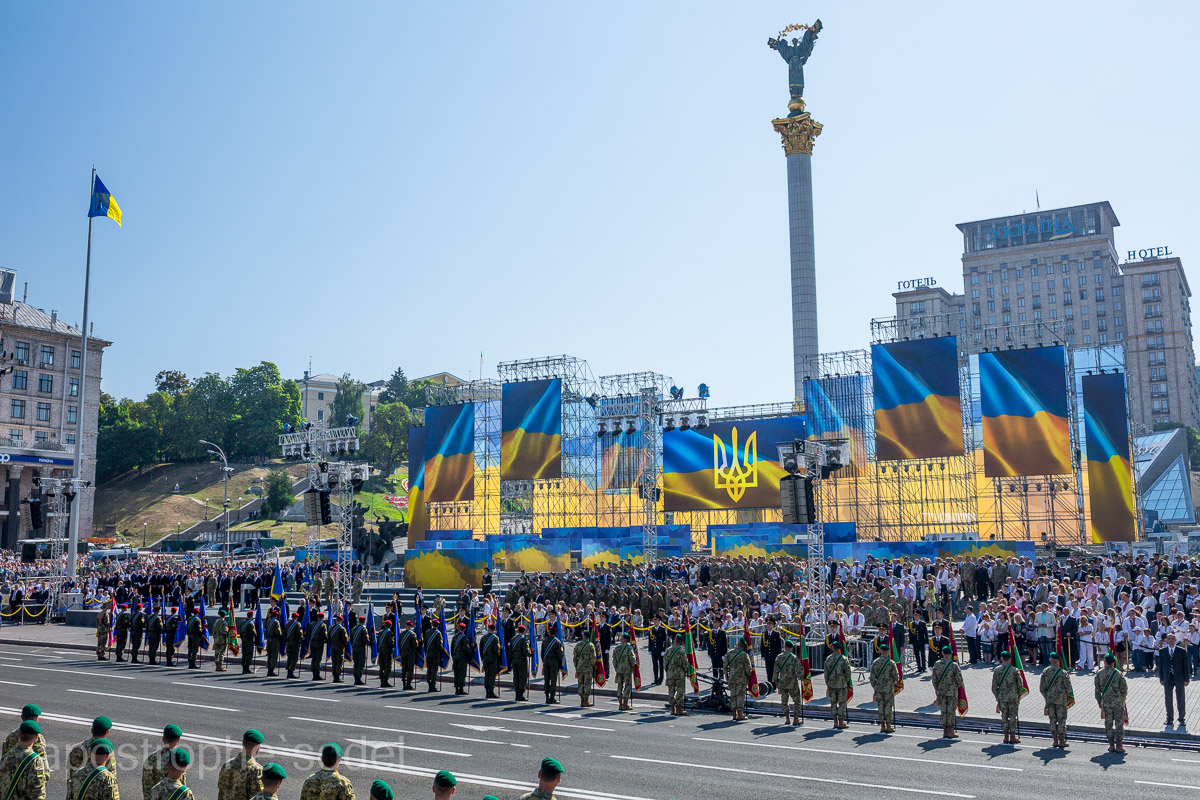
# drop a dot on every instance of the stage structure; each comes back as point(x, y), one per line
point(315, 444)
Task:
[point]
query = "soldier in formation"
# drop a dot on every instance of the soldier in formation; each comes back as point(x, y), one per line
point(787, 681)
point(154, 635)
point(552, 661)
point(103, 626)
point(170, 630)
point(461, 650)
point(138, 629)
point(433, 657)
point(585, 666)
point(1055, 686)
point(220, 640)
point(24, 772)
point(248, 639)
point(489, 658)
point(518, 660)
point(675, 671)
point(884, 677)
point(838, 683)
point(339, 645)
point(360, 639)
point(79, 754)
point(317, 640)
point(172, 787)
point(29, 713)
point(947, 680)
point(195, 632)
point(410, 642)
point(387, 649)
point(121, 628)
point(154, 768)
point(1007, 689)
point(327, 783)
point(738, 668)
point(240, 777)
point(273, 633)
point(625, 663)
point(293, 638)
point(94, 780)
point(273, 776)
point(1111, 691)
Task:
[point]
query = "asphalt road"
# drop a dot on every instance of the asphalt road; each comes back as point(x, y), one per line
point(494, 747)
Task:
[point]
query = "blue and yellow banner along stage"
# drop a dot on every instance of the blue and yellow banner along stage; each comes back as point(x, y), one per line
point(438, 544)
point(418, 515)
point(754, 546)
point(531, 430)
point(918, 413)
point(600, 552)
point(635, 554)
point(726, 465)
point(460, 535)
point(448, 568)
point(450, 453)
point(531, 553)
point(1026, 426)
point(1109, 472)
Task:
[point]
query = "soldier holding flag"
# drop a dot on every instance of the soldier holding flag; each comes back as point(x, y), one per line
point(625, 661)
point(1056, 690)
point(490, 655)
point(839, 684)
point(519, 661)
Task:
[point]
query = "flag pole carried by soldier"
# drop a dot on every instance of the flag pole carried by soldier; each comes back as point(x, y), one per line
point(460, 657)
point(274, 637)
point(248, 634)
point(103, 627)
point(489, 656)
point(138, 628)
point(584, 659)
point(293, 639)
point(387, 653)
point(519, 659)
point(121, 628)
point(1059, 696)
point(317, 639)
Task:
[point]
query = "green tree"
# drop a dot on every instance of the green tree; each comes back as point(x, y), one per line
point(348, 400)
point(1193, 440)
point(171, 381)
point(417, 395)
point(279, 495)
point(396, 389)
point(386, 445)
point(262, 403)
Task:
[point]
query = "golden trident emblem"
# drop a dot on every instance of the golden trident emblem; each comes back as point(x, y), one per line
point(735, 478)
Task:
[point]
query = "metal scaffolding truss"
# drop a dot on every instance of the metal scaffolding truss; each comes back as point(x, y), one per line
point(315, 444)
point(461, 515)
point(628, 418)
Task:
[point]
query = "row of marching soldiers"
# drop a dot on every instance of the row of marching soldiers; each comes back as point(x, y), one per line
point(25, 774)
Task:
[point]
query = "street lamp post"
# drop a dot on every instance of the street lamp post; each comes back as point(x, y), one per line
point(144, 534)
point(217, 451)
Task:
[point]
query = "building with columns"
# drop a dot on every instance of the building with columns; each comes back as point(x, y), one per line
point(40, 413)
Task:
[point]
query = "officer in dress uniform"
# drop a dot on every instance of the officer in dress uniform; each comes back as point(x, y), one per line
point(518, 660)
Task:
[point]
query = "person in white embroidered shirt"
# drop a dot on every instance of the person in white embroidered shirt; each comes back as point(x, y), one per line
point(970, 630)
point(855, 620)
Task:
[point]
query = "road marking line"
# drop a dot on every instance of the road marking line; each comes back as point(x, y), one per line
point(91, 673)
point(1169, 785)
point(505, 719)
point(1187, 760)
point(204, 684)
point(15, 683)
point(961, 741)
point(535, 733)
point(568, 715)
point(857, 754)
point(153, 700)
point(760, 773)
point(398, 730)
point(10, 658)
point(375, 744)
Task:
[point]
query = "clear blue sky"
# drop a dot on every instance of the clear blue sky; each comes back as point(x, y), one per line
point(383, 184)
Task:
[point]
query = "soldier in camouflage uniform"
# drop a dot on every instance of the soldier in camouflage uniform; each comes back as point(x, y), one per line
point(624, 660)
point(241, 776)
point(1111, 690)
point(339, 640)
point(357, 589)
point(1056, 690)
point(1006, 686)
point(78, 756)
point(121, 631)
point(103, 626)
point(293, 638)
point(154, 768)
point(29, 713)
point(675, 666)
point(410, 640)
point(328, 587)
point(273, 633)
point(884, 677)
point(24, 772)
point(272, 778)
point(93, 781)
point(738, 667)
point(327, 783)
point(585, 665)
point(549, 776)
point(947, 679)
point(838, 681)
point(387, 650)
point(220, 640)
point(317, 639)
point(359, 639)
point(787, 681)
point(172, 787)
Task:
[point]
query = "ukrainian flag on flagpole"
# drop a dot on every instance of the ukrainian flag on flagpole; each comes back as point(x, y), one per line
point(103, 203)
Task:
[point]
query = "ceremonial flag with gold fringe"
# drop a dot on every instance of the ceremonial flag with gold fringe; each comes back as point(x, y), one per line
point(806, 688)
point(753, 687)
point(690, 648)
point(894, 652)
point(637, 659)
point(598, 676)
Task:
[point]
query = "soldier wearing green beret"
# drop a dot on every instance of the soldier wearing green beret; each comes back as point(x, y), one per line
point(738, 668)
point(272, 778)
point(339, 641)
point(947, 680)
point(1111, 691)
point(154, 768)
point(675, 666)
point(549, 776)
point(584, 659)
point(1007, 689)
point(381, 791)
point(443, 784)
point(24, 772)
point(78, 756)
point(1058, 695)
point(29, 713)
point(241, 776)
point(327, 783)
point(172, 786)
point(220, 639)
point(95, 779)
point(838, 684)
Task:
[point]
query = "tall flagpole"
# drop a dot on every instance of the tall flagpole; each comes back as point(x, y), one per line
point(73, 540)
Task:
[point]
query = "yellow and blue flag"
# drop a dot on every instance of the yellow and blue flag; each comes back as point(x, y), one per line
point(277, 582)
point(103, 203)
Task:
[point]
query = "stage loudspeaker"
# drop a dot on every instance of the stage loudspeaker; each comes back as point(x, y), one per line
point(28, 552)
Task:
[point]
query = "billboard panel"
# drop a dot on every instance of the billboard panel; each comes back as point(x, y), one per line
point(918, 413)
point(836, 408)
point(727, 464)
point(418, 516)
point(1110, 477)
point(450, 453)
point(447, 568)
point(531, 430)
point(1026, 428)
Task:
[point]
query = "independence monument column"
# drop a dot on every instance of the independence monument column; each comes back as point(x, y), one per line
point(799, 130)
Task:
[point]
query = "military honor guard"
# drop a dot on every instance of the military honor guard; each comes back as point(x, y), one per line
point(838, 684)
point(154, 768)
point(947, 680)
point(327, 783)
point(1111, 691)
point(240, 777)
point(884, 677)
point(787, 681)
point(1007, 689)
point(24, 772)
point(1058, 696)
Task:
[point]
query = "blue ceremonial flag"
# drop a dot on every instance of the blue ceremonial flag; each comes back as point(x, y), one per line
point(562, 639)
point(445, 642)
point(371, 632)
point(346, 625)
point(395, 633)
point(305, 624)
point(420, 638)
point(181, 629)
point(203, 614)
point(277, 583)
point(476, 662)
point(533, 640)
point(259, 634)
point(503, 645)
point(103, 203)
point(283, 609)
point(332, 621)
point(307, 575)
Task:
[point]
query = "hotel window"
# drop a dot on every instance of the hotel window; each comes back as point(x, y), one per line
point(76, 359)
point(1050, 269)
point(1054, 313)
point(1104, 338)
point(991, 305)
point(73, 387)
point(69, 438)
point(43, 412)
point(20, 379)
point(1008, 319)
point(14, 436)
point(1053, 298)
point(1083, 280)
point(1021, 316)
point(1118, 321)
point(1036, 286)
point(72, 415)
point(320, 395)
point(1050, 285)
point(1087, 339)
point(1099, 279)
point(47, 356)
point(1004, 275)
point(1033, 271)
point(1020, 302)
point(1120, 335)
point(1020, 288)
point(1116, 291)
point(1087, 324)
point(1004, 291)
point(1019, 273)
point(1083, 309)
point(974, 280)
point(21, 354)
point(991, 292)
point(17, 409)
point(45, 383)
point(1005, 305)
point(1099, 294)
point(1037, 316)
point(974, 294)
point(40, 437)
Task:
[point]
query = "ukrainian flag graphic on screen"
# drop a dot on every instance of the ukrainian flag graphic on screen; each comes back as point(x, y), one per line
point(450, 453)
point(918, 413)
point(1110, 479)
point(836, 409)
point(1026, 429)
point(418, 517)
point(727, 464)
point(531, 431)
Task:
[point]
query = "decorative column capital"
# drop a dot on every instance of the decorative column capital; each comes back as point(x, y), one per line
point(798, 133)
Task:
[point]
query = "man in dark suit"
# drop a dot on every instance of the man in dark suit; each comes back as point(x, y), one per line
point(658, 643)
point(772, 646)
point(16, 599)
point(1174, 675)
